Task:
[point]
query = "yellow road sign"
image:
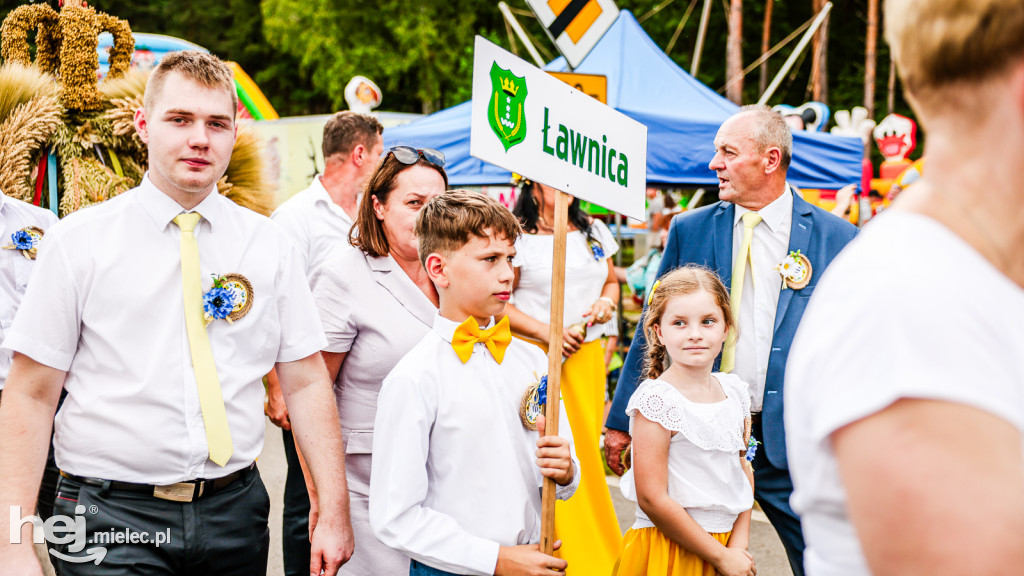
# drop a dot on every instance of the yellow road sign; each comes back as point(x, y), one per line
point(595, 85)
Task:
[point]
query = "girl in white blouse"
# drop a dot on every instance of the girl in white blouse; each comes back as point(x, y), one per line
point(690, 431)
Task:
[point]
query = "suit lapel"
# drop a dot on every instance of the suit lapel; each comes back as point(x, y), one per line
point(799, 239)
point(722, 224)
point(392, 278)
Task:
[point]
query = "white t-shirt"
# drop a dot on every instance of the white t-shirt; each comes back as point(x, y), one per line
point(908, 310)
point(705, 474)
point(585, 274)
point(15, 269)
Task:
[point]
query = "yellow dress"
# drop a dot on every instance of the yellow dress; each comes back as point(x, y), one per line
point(648, 552)
point(586, 523)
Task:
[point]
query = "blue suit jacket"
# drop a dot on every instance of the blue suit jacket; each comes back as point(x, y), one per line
point(704, 237)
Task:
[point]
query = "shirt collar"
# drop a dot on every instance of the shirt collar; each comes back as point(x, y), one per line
point(320, 196)
point(162, 208)
point(445, 328)
point(774, 214)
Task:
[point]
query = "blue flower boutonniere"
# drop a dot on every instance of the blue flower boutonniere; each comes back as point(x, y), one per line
point(27, 239)
point(534, 400)
point(751, 449)
point(596, 249)
point(230, 298)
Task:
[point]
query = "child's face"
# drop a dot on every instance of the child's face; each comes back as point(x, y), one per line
point(479, 278)
point(692, 328)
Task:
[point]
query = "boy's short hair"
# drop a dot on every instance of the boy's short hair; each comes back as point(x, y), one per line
point(447, 221)
point(205, 69)
point(346, 129)
point(945, 43)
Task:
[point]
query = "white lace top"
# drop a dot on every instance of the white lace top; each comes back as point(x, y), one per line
point(705, 474)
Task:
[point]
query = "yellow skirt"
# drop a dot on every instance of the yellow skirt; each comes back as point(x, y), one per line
point(586, 523)
point(646, 551)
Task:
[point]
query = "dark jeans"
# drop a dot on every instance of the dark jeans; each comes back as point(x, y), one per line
point(222, 534)
point(772, 489)
point(295, 518)
point(418, 569)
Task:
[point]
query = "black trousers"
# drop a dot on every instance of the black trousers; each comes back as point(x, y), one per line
point(222, 534)
point(295, 517)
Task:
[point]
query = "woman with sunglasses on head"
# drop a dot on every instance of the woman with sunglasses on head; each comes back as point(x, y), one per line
point(376, 303)
point(586, 524)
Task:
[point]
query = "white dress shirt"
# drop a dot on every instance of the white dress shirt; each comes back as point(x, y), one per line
point(585, 276)
point(761, 287)
point(14, 267)
point(105, 305)
point(455, 474)
point(705, 473)
point(315, 224)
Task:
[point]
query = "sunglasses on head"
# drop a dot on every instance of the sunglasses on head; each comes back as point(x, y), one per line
point(409, 155)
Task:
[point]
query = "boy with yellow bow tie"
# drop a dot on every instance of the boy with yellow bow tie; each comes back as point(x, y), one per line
point(457, 474)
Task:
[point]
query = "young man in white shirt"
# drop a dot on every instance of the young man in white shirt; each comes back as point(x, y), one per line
point(456, 478)
point(318, 221)
point(909, 459)
point(162, 423)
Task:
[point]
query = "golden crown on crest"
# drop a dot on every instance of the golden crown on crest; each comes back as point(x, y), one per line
point(509, 87)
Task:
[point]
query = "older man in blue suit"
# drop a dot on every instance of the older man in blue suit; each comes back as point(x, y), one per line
point(758, 223)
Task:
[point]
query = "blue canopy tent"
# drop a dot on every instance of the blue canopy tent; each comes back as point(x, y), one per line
point(681, 114)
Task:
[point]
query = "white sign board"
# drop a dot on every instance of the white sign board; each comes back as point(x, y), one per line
point(531, 123)
point(575, 26)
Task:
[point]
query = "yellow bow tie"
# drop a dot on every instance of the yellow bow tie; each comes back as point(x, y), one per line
point(496, 338)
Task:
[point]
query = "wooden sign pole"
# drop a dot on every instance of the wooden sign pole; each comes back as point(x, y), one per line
point(547, 517)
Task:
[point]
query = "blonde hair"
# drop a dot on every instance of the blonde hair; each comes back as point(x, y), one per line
point(679, 282)
point(200, 67)
point(939, 44)
point(447, 221)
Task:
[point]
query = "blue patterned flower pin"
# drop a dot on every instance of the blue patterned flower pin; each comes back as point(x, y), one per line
point(27, 239)
point(751, 449)
point(534, 400)
point(230, 298)
point(596, 249)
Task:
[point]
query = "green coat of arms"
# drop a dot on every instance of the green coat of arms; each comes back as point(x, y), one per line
point(505, 112)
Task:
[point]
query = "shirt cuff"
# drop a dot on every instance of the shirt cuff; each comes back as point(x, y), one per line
point(564, 492)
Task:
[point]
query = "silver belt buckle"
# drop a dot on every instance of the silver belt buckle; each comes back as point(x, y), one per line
point(180, 492)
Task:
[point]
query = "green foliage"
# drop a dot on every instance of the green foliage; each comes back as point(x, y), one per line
point(302, 53)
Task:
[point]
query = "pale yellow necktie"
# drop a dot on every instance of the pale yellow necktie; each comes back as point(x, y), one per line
point(739, 271)
point(218, 433)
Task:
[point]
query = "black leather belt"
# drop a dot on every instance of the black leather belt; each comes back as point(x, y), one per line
point(180, 492)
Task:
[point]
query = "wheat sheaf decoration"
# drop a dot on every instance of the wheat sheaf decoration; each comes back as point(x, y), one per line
point(67, 140)
point(66, 47)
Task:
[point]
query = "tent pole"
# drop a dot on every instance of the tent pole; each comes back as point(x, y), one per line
point(521, 33)
point(705, 14)
point(796, 53)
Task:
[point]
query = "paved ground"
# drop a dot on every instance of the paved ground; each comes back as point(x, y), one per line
point(765, 546)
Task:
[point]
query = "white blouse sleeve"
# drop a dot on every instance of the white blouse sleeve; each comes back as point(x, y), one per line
point(600, 232)
point(659, 402)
